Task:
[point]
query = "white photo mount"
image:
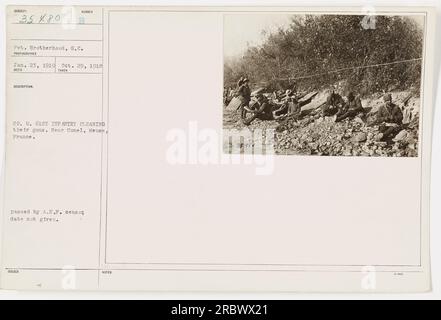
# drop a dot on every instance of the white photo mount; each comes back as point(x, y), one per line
point(100, 100)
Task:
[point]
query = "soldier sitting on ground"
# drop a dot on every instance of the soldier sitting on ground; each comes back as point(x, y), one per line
point(294, 109)
point(261, 108)
point(351, 108)
point(280, 109)
point(333, 104)
point(389, 118)
point(289, 107)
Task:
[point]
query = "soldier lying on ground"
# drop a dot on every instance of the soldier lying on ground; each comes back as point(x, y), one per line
point(351, 108)
point(389, 118)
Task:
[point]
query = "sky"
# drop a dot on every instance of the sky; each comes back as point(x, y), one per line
point(241, 30)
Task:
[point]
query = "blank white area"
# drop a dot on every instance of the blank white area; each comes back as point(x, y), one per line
point(166, 70)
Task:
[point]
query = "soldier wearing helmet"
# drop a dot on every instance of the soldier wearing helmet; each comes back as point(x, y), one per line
point(389, 112)
point(389, 117)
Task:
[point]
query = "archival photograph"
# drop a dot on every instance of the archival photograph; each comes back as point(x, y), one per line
point(329, 85)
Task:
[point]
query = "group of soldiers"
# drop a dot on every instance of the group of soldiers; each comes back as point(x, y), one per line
point(389, 116)
point(260, 106)
point(279, 106)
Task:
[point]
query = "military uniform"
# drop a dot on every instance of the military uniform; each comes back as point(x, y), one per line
point(333, 102)
point(390, 118)
point(389, 113)
point(263, 111)
point(244, 93)
point(350, 108)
